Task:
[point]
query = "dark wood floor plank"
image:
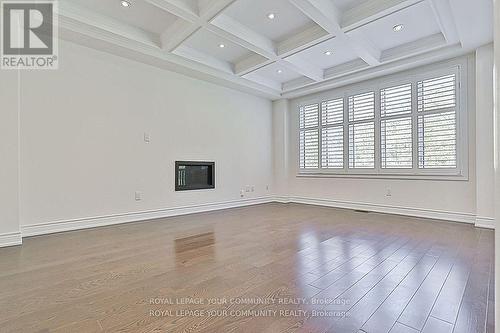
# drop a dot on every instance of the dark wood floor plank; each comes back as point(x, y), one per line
point(490, 321)
point(344, 293)
point(434, 325)
point(473, 309)
point(449, 299)
point(387, 314)
point(418, 309)
point(363, 309)
point(349, 263)
point(400, 328)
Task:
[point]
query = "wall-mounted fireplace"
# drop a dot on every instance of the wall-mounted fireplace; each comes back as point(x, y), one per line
point(194, 175)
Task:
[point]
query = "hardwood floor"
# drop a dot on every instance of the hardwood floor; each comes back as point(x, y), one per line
point(266, 268)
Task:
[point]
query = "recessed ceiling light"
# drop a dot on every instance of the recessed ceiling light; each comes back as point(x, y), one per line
point(222, 46)
point(271, 16)
point(398, 27)
point(125, 3)
point(328, 53)
point(279, 71)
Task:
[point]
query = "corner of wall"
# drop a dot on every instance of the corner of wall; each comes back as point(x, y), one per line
point(11, 239)
point(9, 150)
point(280, 147)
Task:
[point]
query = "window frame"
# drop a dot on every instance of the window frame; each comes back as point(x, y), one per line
point(457, 67)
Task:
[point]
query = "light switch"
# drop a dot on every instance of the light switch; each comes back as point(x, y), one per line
point(138, 195)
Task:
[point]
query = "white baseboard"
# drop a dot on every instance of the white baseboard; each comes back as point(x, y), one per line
point(282, 199)
point(100, 221)
point(485, 222)
point(10, 239)
point(398, 210)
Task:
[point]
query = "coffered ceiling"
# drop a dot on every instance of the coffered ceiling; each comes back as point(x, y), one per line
point(279, 48)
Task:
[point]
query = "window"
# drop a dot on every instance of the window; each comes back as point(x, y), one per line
point(410, 126)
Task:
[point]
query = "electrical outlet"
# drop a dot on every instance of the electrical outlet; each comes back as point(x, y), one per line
point(388, 193)
point(138, 195)
point(247, 188)
point(253, 188)
point(267, 187)
point(147, 137)
point(242, 193)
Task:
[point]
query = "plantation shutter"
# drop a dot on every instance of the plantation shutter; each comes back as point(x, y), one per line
point(395, 100)
point(396, 143)
point(362, 134)
point(396, 147)
point(332, 134)
point(309, 136)
point(437, 143)
point(437, 94)
point(362, 106)
point(362, 145)
point(332, 112)
point(437, 123)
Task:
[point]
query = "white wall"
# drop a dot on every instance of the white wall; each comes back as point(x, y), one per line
point(83, 153)
point(429, 198)
point(9, 150)
point(485, 156)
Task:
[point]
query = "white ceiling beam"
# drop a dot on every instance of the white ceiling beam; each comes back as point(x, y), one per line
point(74, 12)
point(302, 40)
point(181, 8)
point(372, 10)
point(373, 72)
point(100, 33)
point(125, 40)
point(187, 23)
point(444, 16)
point(304, 67)
point(296, 43)
point(346, 68)
point(300, 82)
point(204, 58)
point(194, 14)
point(229, 28)
point(422, 45)
point(209, 9)
point(250, 64)
point(324, 13)
point(176, 34)
point(263, 81)
point(363, 47)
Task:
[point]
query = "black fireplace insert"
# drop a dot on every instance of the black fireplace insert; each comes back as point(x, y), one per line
point(194, 175)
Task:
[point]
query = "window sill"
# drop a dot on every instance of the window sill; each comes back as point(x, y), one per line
point(435, 177)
